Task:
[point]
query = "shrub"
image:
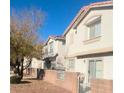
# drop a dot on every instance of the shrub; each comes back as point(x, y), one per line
point(15, 79)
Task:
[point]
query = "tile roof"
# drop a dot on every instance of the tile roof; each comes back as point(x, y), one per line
point(55, 37)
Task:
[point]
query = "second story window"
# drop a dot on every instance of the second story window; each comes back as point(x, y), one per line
point(51, 47)
point(46, 51)
point(94, 29)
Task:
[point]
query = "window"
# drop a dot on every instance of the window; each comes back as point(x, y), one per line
point(71, 65)
point(51, 47)
point(95, 68)
point(94, 29)
point(46, 51)
point(63, 42)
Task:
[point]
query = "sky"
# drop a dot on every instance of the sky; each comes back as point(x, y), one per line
point(58, 13)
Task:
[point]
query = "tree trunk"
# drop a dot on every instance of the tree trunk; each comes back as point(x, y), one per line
point(17, 70)
point(20, 67)
point(21, 70)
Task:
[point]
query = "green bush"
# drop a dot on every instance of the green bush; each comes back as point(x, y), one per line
point(15, 79)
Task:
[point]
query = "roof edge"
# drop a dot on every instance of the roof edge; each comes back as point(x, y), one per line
point(84, 10)
point(55, 37)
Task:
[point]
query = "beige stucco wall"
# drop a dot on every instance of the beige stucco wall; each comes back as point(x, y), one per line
point(79, 44)
point(37, 63)
point(81, 65)
point(108, 67)
point(101, 86)
point(58, 48)
point(70, 81)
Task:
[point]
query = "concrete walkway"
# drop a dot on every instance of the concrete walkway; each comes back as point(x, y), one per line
point(36, 86)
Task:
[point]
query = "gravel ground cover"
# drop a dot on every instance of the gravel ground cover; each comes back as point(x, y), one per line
point(35, 86)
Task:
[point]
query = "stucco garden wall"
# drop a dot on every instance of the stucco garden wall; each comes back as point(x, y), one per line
point(70, 81)
point(101, 86)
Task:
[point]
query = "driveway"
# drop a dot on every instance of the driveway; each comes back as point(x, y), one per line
point(36, 86)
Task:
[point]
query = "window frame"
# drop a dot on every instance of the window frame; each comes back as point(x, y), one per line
point(96, 29)
point(51, 47)
point(71, 64)
point(95, 62)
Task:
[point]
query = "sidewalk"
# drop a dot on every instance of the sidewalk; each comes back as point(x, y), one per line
point(35, 86)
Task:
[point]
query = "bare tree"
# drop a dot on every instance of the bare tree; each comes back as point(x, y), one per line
point(24, 26)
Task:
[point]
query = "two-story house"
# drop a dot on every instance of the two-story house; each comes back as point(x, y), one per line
point(89, 42)
point(54, 52)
